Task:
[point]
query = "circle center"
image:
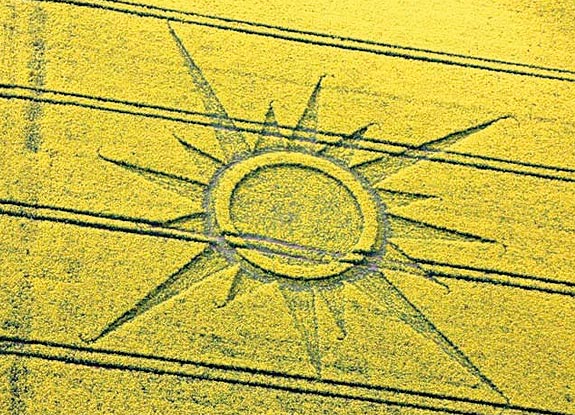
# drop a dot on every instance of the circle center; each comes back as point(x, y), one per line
point(297, 205)
point(295, 215)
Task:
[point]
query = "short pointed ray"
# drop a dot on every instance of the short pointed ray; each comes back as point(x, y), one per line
point(347, 154)
point(400, 198)
point(383, 292)
point(184, 218)
point(195, 150)
point(383, 166)
point(182, 185)
point(397, 259)
point(230, 138)
point(193, 222)
point(240, 284)
point(335, 301)
point(305, 132)
point(403, 227)
point(301, 305)
point(196, 270)
point(270, 136)
point(379, 169)
point(360, 132)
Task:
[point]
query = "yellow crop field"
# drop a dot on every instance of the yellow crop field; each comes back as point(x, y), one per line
point(287, 207)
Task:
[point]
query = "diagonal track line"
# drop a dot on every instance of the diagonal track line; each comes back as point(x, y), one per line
point(261, 378)
point(324, 39)
point(329, 138)
point(144, 227)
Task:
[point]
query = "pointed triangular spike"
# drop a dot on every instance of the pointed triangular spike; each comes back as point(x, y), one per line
point(200, 267)
point(383, 292)
point(240, 284)
point(335, 301)
point(361, 156)
point(376, 169)
point(392, 253)
point(347, 154)
point(192, 222)
point(450, 139)
point(402, 227)
point(226, 281)
point(193, 149)
point(301, 305)
point(270, 136)
point(308, 120)
point(305, 132)
point(271, 123)
point(182, 185)
point(230, 138)
point(380, 169)
point(397, 198)
point(360, 132)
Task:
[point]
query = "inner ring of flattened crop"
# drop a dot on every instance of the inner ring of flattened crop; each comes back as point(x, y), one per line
point(303, 216)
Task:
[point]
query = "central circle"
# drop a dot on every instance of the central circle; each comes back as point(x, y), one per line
point(298, 205)
point(294, 214)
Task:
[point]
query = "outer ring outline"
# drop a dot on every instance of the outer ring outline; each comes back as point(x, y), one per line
point(233, 176)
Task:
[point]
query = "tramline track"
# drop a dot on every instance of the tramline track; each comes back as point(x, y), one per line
point(375, 145)
point(144, 227)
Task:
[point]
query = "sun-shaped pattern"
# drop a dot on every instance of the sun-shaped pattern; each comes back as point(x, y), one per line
point(308, 216)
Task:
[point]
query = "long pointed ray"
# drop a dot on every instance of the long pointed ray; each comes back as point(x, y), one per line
point(196, 270)
point(397, 259)
point(195, 150)
point(306, 128)
point(400, 198)
point(404, 227)
point(240, 284)
point(301, 305)
point(182, 185)
point(270, 136)
point(335, 301)
point(384, 293)
point(381, 168)
point(452, 138)
point(230, 138)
